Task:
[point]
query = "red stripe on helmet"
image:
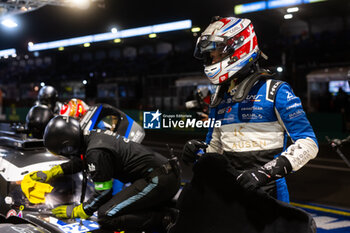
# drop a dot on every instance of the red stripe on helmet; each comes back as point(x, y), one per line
point(225, 21)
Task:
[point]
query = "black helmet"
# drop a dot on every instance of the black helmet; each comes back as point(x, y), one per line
point(37, 119)
point(63, 136)
point(48, 96)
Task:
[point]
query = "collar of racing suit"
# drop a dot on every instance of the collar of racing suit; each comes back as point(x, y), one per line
point(242, 86)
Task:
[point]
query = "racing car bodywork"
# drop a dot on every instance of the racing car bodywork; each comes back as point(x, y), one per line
point(21, 155)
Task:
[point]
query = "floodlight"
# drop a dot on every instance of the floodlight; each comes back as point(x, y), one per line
point(82, 4)
point(114, 30)
point(9, 23)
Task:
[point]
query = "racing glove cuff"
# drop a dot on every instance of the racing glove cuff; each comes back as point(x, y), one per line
point(257, 177)
point(78, 212)
point(277, 168)
point(192, 149)
point(70, 211)
point(46, 176)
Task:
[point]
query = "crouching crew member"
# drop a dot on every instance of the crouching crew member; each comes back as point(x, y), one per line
point(140, 206)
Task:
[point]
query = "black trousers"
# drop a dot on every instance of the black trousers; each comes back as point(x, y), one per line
point(141, 206)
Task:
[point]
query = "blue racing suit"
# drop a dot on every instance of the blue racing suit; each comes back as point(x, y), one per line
point(254, 131)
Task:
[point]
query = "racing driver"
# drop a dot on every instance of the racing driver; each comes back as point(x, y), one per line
point(257, 112)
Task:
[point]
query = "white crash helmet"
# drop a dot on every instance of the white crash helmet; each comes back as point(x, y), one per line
point(236, 42)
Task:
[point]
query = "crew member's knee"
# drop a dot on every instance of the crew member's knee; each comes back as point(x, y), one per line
point(102, 212)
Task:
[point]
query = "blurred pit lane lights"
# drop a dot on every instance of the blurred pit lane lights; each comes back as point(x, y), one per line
point(114, 30)
point(9, 23)
point(269, 4)
point(158, 28)
point(196, 29)
point(250, 7)
point(288, 16)
point(293, 9)
point(8, 52)
point(313, 1)
point(117, 40)
point(153, 35)
point(82, 4)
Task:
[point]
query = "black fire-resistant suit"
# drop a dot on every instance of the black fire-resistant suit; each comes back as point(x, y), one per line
point(154, 181)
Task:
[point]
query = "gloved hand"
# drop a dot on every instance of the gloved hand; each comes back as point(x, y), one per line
point(70, 211)
point(46, 176)
point(192, 149)
point(35, 191)
point(257, 177)
point(253, 179)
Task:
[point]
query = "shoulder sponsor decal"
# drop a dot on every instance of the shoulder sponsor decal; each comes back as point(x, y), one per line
point(293, 106)
point(290, 96)
point(91, 167)
point(296, 114)
point(272, 90)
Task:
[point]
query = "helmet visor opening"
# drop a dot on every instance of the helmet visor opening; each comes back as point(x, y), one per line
point(214, 56)
point(213, 49)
